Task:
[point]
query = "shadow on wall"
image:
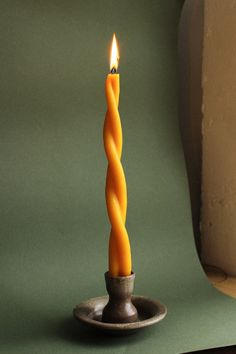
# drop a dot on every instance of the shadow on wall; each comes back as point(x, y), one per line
point(190, 43)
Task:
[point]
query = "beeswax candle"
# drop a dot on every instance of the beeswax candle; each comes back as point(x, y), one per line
point(116, 191)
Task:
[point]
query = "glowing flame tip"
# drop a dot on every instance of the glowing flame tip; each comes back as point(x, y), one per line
point(114, 54)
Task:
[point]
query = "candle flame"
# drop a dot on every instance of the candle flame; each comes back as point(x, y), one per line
point(114, 54)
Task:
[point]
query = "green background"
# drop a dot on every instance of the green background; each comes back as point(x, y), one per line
point(54, 228)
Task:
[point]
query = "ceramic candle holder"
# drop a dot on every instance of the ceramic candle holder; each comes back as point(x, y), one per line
point(120, 312)
point(119, 308)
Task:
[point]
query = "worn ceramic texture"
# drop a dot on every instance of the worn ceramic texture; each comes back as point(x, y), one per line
point(149, 312)
point(119, 308)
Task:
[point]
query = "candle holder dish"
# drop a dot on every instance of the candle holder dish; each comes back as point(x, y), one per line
point(120, 312)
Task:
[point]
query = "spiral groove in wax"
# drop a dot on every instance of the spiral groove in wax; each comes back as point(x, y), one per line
point(116, 191)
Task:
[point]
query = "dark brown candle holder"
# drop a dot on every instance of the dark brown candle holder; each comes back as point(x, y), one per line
point(120, 312)
point(119, 308)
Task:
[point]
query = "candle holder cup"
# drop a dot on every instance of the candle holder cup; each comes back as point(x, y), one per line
point(119, 308)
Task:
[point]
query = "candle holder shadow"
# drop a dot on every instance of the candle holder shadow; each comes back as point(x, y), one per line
point(120, 312)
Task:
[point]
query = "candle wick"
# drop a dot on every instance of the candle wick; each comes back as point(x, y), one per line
point(113, 70)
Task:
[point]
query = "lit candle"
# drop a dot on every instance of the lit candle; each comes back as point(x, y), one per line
point(116, 192)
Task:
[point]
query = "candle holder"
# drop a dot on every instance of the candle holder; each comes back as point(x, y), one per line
point(120, 312)
point(119, 308)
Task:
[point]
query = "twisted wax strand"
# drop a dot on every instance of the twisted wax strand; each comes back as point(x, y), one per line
point(116, 191)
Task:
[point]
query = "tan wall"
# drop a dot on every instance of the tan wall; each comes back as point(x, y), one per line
point(219, 135)
point(207, 51)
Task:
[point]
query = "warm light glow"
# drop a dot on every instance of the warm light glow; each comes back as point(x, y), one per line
point(114, 54)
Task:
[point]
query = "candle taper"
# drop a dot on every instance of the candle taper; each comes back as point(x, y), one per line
point(116, 191)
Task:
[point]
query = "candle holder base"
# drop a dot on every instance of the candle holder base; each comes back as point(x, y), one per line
point(149, 312)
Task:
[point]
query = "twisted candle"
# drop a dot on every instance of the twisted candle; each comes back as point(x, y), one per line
point(116, 191)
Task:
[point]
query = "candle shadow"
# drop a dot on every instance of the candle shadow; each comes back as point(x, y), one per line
point(71, 330)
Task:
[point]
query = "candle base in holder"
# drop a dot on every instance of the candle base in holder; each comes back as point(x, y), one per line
point(119, 308)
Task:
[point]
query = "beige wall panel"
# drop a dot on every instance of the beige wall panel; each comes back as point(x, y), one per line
point(219, 135)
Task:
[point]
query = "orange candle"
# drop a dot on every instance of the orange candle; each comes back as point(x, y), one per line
point(116, 191)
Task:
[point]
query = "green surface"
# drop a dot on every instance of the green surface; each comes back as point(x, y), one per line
point(54, 228)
